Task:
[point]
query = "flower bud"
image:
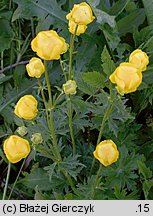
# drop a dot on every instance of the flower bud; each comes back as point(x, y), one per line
point(70, 87)
point(81, 14)
point(35, 68)
point(16, 148)
point(106, 152)
point(37, 138)
point(22, 130)
point(127, 77)
point(26, 107)
point(139, 59)
point(49, 45)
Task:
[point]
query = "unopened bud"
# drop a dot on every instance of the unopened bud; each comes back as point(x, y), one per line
point(22, 130)
point(37, 138)
point(70, 87)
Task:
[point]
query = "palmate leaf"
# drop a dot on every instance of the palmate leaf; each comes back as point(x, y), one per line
point(135, 18)
point(72, 165)
point(48, 12)
point(7, 33)
point(37, 176)
point(30, 8)
point(107, 63)
point(145, 171)
point(118, 7)
point(94, 79)
point(148, 5)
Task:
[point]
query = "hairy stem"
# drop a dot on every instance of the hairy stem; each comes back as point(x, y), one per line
point(51, 121)
point(7, 180)
point(12, 189)
point(71, 125)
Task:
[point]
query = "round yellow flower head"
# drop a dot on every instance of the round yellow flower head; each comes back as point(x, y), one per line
point(140, 59)
point(70, 87)
point(80, 28)
point(49, 45)
point(35, 68)
point(26, 107)
point(16, 148)
point(22, 130)
point(37, 138)
point(81, 14)
point(127, 77)
point(106, 152)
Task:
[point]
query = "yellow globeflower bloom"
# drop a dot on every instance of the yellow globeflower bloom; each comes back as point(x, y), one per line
point(106, 152)
point(49, 45)
point(81, 14)
point(140, 59)
point(80, 28)
point(26, 107)
point(127, 77)
point(70, 87)
point(16, 148)
point(35, 68)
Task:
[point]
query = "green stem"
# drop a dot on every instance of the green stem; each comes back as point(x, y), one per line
point(44, 99)
point(98, 173)
point(105, 118)
point(7, 179)
point(51, 121)
point(97, 178)
point(70, 75)
point(48, 85)
point(62, 68)
point(71, 125)
point(70, 182)
point(16, 178)
point(2, 60)
point(59, 96)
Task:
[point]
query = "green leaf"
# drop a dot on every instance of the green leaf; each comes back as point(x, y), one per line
point(71, 165)
point(107, 63)
point(84, 87)
point(147, 185)
point(145, 171)
point(50, 170)
point(148, 5)
point(30, 8)
point(94, 79)
point(118, 7)
point(7, 34)
point(37, 176)
point(103, 17)
point(131, 22)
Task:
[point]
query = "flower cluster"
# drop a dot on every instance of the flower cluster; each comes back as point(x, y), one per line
point(79, 17)
point(128, 75)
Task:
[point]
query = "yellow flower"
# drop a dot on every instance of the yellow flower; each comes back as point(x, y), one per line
point(81, 14)
point(16, 148)
point(22, 130)
point(80, 28)
point(127, 77)
point(106, 152)
point(70, 87)
point(37, 138)
point(49, 45)
point(140, 59)
point(26, 107)
point(35, 68)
